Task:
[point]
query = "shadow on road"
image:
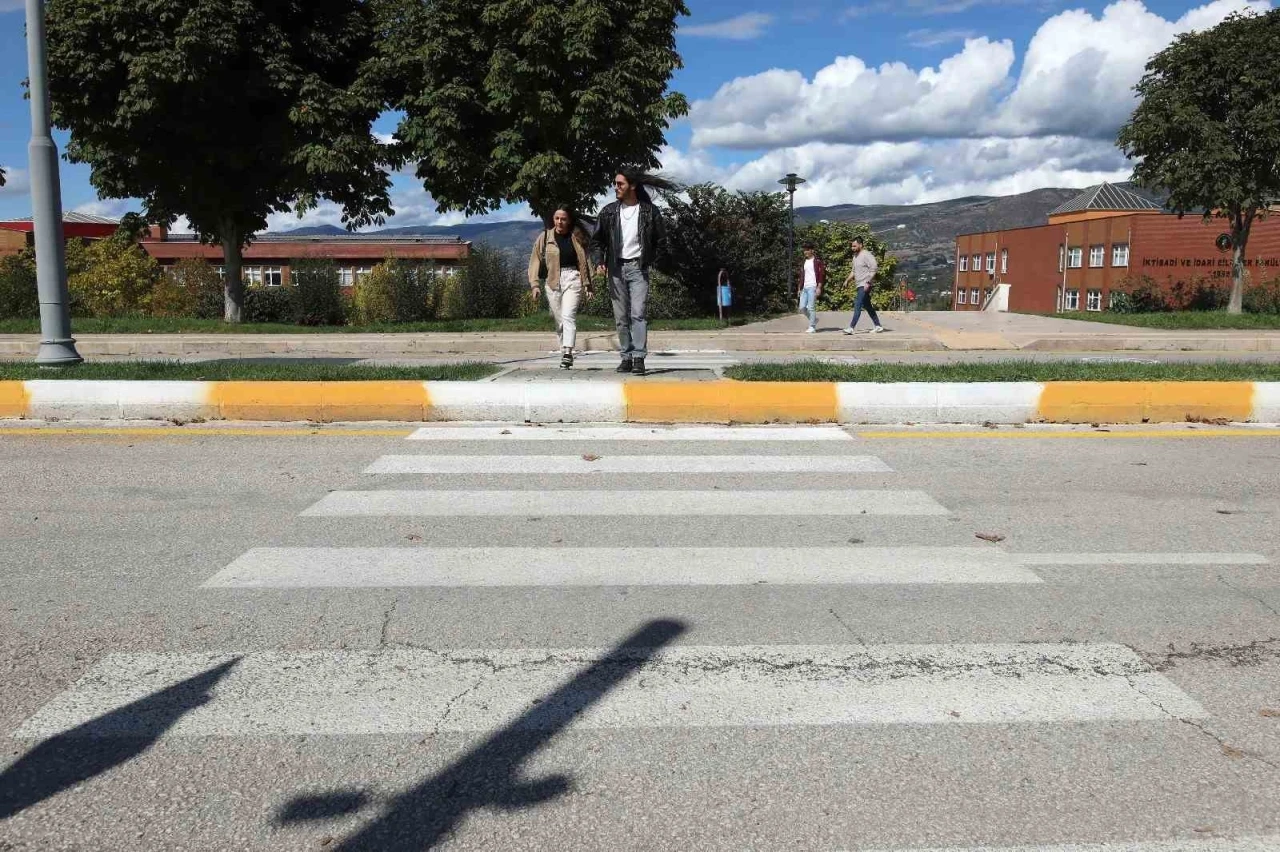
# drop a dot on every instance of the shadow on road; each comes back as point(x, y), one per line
point(101, 744)
point(489, 774)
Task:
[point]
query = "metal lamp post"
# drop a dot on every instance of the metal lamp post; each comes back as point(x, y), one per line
point(791, 181)
point(57, 347)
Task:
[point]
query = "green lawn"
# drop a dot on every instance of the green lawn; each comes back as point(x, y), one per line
point(536, 322)
point(222, 371)
point(1003, 371)
point(1196, 320)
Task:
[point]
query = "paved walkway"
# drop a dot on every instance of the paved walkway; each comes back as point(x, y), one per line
point(917, 332)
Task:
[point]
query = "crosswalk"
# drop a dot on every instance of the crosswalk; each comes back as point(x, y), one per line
point(653, 680)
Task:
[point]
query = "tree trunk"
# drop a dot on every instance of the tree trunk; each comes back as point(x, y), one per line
point(1240, 226)
point(233, 274)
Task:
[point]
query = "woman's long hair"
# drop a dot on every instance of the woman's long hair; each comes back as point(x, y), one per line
point(643, 182)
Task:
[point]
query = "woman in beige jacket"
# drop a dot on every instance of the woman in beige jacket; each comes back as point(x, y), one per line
point(560, 257)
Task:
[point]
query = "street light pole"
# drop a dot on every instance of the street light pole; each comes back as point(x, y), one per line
point(791, 181)
point(57, 347)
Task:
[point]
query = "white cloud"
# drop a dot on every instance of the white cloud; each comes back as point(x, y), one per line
point(744, 27)
point(112, 208)
point(11, 5)
point(17, 182)
point(936, 38)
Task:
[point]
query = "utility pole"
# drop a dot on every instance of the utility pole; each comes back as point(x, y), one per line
point(57, 347)
point(791, 181)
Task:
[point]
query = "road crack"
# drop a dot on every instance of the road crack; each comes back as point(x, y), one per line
point(387, 615)
point(1225, 747)
point(1255, 598)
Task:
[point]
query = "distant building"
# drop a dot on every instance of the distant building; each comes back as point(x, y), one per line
point(268, 260)
point(1095, 245)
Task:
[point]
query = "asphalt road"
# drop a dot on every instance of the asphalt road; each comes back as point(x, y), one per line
point(277, 638)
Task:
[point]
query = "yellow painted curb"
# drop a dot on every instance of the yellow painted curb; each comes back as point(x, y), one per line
point(15, 401)
point(321, 402)
point(1145, 402)
point(731, 402)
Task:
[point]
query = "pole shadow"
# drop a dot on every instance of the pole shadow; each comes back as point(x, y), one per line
point(488, 775)
point(103, 743)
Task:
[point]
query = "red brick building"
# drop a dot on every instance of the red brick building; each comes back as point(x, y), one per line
point(18, 234)
point(1091, 247)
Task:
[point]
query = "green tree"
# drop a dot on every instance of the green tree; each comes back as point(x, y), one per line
point(832, 241)
point(223, 111)
point(524, 100)
point(709, 228)
point(110, 278)
point(1207, 130)
point(18, 295)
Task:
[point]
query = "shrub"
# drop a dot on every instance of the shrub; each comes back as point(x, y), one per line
point(1144, 296)
point(668, 299)
point(394, 292)
point(490, 286)
point(1263, 298)
point(111, 278)
point(317, 293)
point(171, 299)
point(19, 298)
point(269, 304)
point(1198, 295)
point(202, 284)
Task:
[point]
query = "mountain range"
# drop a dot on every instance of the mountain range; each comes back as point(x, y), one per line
point(921, 235)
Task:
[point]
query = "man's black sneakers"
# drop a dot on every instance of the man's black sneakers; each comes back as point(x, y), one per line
point(566, 360)
point(626, 366)
point(637, 367)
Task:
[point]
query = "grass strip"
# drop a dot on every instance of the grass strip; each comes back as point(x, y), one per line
point(535, 322)
point(247, 371)
point(1005, 371)
point(1189, 320)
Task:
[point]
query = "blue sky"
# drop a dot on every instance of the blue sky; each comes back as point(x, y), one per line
point(875, 101)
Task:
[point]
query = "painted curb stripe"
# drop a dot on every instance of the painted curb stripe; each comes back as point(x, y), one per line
point(1145, 402)
point(14, 400)
point(321, 402)
point(731, 402)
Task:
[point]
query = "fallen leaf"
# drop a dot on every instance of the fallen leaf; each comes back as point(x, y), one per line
point(1226, 512)
point(855, 541)
point(1204, 829)
point(590, 458)
point(1232, 752)
point(1139, 464)
point(413, 537)
point(1269, 714)
point(505, 432)
point(326, 840)
point(987, 424)
point(557, 540)
point(994, 538)
point(954, 713)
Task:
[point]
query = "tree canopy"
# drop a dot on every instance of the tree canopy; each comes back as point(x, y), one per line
point(222, 111)
point(521, 100)
point(1207, 129)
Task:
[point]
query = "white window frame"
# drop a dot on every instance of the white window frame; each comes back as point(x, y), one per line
point(1072, 302)
point(1097, 256)
point(1093, 300)
point(1120, 254)
point(962, 296)
point(975, 296)
point(1004, 261)
point(964, 263)
point(977, 263)
point(346, 276)
point(252, 275)
point(1075, 257)
point(991, 262)
point(1111, 299)
point(273, 276)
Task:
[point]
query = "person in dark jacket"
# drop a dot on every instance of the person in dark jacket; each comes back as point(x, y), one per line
point(628, 240)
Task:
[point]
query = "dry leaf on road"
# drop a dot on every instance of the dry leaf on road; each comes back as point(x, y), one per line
point(994, 538)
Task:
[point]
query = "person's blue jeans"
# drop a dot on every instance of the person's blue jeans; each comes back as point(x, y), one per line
point(629, 292)
point(809, 305)
point(864, 304)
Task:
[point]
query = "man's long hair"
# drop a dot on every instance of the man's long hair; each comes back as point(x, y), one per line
point(643, 182)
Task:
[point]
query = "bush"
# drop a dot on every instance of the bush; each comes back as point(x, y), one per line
point(1263, 298)
point(110, 278)
point(394, 292)
point(19, 298)
point(171, 299)
point(1199, 295)
point(269, 304)
point(317, 293)
point(490, 286)
point(203, 286)
point(668, 299)
point(1143, 296)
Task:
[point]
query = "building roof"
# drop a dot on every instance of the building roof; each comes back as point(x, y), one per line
point(77, 219)
point(1104, 196)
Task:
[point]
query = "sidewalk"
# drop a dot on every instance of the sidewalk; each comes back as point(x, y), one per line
point(936, 331)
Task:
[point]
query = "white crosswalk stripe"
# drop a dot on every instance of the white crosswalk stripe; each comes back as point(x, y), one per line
point(412, 691)
point(510, 465)
point(718, 434)
point(1215, 844)
point(623, 503)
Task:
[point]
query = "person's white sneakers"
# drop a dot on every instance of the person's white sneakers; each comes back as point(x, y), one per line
point(877, 329)
point(846, 331)
point(810, 330)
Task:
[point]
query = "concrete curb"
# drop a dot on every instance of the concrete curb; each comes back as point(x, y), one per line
point(646, 402)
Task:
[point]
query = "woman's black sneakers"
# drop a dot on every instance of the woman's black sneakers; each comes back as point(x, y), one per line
point(637, 367)
point(566, 360)
point(626, 366)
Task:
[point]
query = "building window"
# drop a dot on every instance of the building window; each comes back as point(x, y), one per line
point(977, 263)
point(1111, 299)
point(263, 276)
point(964, 263)
point(349, 276)
point(1073, 300)
point(986, 294)
point(973, 297)
point(1096, 254)
point(962, 297)
point(1075, 256)
point(222, 271)
point(1120, 254)
point(991, 262)
point(1094, 302)
point(1004, 261)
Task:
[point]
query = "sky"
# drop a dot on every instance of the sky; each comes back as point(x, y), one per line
point(874, 101)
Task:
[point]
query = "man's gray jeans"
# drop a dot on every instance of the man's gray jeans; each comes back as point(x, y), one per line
point(629, 291)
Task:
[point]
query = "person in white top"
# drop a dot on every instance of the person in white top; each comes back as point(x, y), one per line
point(812, 279)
